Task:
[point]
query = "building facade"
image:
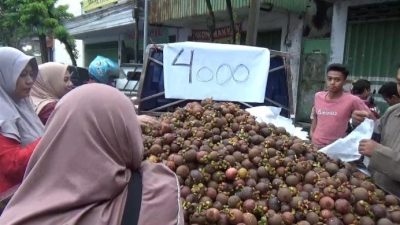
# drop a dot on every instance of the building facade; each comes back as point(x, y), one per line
point(365, 37)
point(362, 34)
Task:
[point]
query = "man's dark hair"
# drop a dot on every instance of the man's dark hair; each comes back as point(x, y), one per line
point(389, 89)
point(360, 86)
point(339, 68)
point(74, 75)
point(71, 69)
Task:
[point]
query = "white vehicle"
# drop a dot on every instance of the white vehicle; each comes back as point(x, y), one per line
point(128, 82)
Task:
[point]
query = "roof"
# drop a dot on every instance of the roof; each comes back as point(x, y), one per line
point(167, 11)
point(116, 17)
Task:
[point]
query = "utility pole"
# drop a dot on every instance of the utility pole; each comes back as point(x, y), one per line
point(136, 17)
point(252, 24)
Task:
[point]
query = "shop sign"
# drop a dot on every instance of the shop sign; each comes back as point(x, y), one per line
point(89, 5)
point(219, 33)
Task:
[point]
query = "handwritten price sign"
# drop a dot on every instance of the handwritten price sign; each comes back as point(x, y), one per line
point(195, 70)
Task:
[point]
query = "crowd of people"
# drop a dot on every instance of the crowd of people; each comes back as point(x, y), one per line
point(50, 131)
point(69, 155)
point(335, 112)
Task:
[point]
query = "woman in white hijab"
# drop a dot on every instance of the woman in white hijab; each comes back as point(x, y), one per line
point(20, 128)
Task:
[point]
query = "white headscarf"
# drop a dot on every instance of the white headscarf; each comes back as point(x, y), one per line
point(18, 120)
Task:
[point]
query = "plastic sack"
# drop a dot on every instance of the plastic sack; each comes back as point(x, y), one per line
point(103, 70)
point(270, 114)
point(265, 114)
point(346, 149)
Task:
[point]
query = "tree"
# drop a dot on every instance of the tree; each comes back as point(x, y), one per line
point(40, 18)
point(64, 37)
point(229, 8)
point(252, 24)
point(9, 30)
point(211, 26)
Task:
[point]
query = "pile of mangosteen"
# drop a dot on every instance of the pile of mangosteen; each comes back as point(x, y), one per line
point(234, 170)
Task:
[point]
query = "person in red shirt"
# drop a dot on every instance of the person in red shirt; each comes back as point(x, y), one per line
point(333, 108)
point(53, 82)
point(20, 128)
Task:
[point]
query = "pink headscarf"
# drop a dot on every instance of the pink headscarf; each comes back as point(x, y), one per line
point(79, 172)
point(49, 85)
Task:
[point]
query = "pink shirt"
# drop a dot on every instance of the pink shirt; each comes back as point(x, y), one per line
point(333, 116)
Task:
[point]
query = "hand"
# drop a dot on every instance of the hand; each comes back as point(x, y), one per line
point(367, 147)
point(147, 120)
point(358, 116)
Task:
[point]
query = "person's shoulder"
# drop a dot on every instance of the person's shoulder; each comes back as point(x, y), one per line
point(393, 109)
point(352, 98)
point(321, 94)
point(348, 95)
point(319, 98)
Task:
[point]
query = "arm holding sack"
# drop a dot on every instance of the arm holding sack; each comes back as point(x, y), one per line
point(385, 157)
point(360, 112)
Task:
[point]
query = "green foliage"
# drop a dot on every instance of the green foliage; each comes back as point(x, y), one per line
point(28, 18)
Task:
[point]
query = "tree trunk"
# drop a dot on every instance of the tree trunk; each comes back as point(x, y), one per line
point(43, 48)
point(211, 27)
point(232, 20)
point(70, 51)
point(252, 26)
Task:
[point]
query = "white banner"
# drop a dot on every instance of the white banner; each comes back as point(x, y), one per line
point(194, 70)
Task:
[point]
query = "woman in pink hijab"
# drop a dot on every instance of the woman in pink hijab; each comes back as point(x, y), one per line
point(52, 83)
point(81, 168)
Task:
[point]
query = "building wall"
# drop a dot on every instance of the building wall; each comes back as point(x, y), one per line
point(292, 31)
point(60, 54)
point(293, 46)
point(360, 68)
point(182, 34)
point(168, 10)
point(339, 26)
